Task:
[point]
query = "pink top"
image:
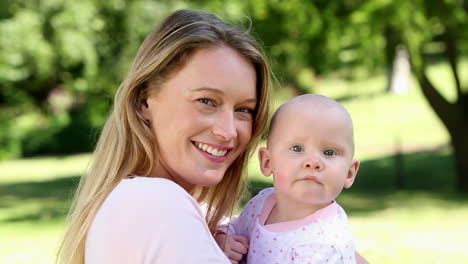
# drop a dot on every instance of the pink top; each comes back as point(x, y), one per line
point(151, 220)
point(323, 237)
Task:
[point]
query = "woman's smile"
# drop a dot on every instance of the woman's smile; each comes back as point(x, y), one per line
point(216, 154)
point(218, 151)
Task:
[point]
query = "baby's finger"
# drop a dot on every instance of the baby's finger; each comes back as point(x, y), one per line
point(239, 248)
point(234, 256)
point(242, 240)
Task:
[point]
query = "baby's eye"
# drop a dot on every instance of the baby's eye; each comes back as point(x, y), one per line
point(329, 152)
point(297, 148)
point(206, 101)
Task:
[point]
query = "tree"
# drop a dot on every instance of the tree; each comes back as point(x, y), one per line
point(325, 36)
point(60, 63)
point(417, 24)
point(446, 22)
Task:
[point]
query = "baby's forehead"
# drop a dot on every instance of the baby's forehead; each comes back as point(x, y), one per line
point(313, 101)
point(310, 105)
point(314, 108)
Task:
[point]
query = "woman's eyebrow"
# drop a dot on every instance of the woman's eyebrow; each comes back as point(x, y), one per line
point(210, 89)
point(219, 91)
point(251, 100)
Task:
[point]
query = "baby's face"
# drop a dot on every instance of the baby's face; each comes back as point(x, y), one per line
point(311, 151)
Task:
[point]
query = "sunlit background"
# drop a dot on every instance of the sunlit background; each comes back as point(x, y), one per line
point(61, 62)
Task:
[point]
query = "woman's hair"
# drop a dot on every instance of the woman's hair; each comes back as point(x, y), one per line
point(127, 146)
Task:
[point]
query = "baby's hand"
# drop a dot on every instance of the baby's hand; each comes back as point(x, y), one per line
point(233, 246)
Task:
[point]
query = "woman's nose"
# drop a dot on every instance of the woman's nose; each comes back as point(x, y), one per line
point(224, 126)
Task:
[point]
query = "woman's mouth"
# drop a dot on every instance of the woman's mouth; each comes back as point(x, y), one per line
point(210, 149)
point(217, 154)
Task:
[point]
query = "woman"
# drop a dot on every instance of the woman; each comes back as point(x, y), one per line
point(183, 124)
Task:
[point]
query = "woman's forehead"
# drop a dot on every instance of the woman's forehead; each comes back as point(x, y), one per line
point(218, 70)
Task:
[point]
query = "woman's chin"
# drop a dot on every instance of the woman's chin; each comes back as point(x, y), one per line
point(212, 178)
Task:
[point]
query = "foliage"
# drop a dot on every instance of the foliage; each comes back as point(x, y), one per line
point(61, 61)
point(312, 38)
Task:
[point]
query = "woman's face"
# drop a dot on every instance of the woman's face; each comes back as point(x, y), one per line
point(202, 117)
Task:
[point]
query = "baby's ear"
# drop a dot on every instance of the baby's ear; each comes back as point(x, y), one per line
point(353, 169)
point(265, 164)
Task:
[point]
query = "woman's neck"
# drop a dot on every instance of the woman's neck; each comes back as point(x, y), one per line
point(161, 171)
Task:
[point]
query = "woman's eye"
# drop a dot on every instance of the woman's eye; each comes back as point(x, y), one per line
point(297, 148)
point(245, 110)
point(206, 101)
point(329, 152)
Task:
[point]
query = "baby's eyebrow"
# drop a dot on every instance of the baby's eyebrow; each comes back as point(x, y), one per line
point(335, 145)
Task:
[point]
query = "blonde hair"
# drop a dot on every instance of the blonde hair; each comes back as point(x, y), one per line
point(127, 146)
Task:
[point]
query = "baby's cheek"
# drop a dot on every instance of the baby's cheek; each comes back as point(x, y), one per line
point(280, 180)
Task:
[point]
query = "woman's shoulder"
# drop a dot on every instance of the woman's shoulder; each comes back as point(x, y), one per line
point(146, 219)
point(149, 188)
point(141, 194)
point(142, 203)
point(148, 184)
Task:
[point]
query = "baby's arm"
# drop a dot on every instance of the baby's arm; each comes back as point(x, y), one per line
point(360, 259)
point(231, 239)
point(235, 247)
point(233, 236)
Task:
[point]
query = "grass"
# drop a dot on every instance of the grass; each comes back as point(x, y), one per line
point(34, 198)
point(402, 207)
point(422, 223)
point(412, 227)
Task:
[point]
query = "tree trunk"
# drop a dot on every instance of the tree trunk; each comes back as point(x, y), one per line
point(400, 78)
point(453, 116)
point(460, 149)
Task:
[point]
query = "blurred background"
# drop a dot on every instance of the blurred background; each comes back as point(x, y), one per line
point(400, 67)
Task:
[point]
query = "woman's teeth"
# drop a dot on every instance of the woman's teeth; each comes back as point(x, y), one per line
point(213, 151)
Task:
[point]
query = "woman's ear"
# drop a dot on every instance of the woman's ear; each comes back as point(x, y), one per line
point(145, 110)
point(353, 170)
point(265, 162)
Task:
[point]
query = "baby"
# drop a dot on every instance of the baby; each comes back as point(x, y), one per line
point(309, 152)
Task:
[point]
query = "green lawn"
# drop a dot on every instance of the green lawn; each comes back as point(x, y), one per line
point(418, 225)
point(403, 208)
point(34, 198)
point(423, 223)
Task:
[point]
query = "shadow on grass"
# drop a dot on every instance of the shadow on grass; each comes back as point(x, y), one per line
point(406, 181)
point(37, 201)
point(425, 177)
point(429, 171)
